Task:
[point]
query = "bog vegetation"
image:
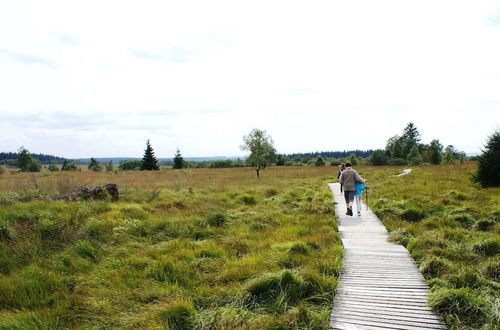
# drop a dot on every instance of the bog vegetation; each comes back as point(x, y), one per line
point(188, 249)
point(452, 229)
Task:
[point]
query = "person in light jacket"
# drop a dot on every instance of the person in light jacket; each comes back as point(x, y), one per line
point(348, 179)
point(358, 192)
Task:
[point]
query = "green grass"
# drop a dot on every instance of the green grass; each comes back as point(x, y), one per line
point(451, 228)
point(258, 254)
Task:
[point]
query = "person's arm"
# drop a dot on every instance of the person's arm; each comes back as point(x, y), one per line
point(342, 178)
point(358, 178)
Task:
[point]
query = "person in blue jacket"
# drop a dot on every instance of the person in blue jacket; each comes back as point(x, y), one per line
point(358, 192)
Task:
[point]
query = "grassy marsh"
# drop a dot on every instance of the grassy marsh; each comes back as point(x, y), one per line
point(451, 228)
point(215, 249)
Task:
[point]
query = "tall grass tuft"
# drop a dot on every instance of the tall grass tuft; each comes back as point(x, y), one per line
point(86, 250)
point(461, 306)
point(177, 315)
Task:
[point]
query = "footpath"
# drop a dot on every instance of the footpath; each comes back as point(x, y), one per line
point(380, 287)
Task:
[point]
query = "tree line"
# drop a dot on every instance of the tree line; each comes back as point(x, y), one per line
point(404, 149)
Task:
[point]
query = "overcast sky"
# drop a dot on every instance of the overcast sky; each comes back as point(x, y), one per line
point(98, 78)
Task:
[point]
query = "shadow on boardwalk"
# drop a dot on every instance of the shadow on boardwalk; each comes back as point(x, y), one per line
point(380, 286)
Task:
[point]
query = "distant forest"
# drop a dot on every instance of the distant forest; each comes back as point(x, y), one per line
point(9, 158)
point(330, 154)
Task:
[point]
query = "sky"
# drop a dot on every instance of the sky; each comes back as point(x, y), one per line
point(98, 78)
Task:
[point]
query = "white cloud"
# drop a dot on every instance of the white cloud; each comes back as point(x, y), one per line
point(317, 75)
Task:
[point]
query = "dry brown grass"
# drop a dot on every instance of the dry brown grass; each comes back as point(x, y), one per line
point(164, 179)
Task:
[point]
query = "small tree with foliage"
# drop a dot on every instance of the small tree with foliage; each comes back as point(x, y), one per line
point(414, 156)
point(353, 160)
point(280, 160)
point(109, 166)
point(488, 169)
point(178, 160)
point(94, 165)
point(435, 151)
point(128, 165)
point(319, 161)
point(69, 166)
point(448, 158)
point(149, 161)
point(261, 149)
point(378, 157)
point(24, 159)
point(53, 168)
point(27, 163)
point(35, 166)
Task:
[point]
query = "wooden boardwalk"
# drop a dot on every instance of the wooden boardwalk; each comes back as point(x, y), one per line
point(380, 286)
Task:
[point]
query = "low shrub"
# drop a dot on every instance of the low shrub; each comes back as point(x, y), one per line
point(86, 250)
point(271, 192)
point(412, 214)
point(300, 248)
point(248, 200)
point(489, 247)
point(210, 252)
point(217, 219)
point(288, 288)
point(25, 319)
point(397, 161)
point(29, 289)
point(49, 229)
point(5, 233)
point(466, 220)
point(400, 236)
point(269, 288)
point(177, 315)
point(484, 225)
point(471, 307)
point(435, 266)
point(491, 270)
point(5, 259)
point(166, 271)
point(464, 277)
point(457, 195)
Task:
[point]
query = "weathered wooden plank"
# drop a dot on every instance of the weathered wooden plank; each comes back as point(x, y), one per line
point(387, 307)
point(391, 317)
point(412, 292)
point(394, 324)
point(389, 313)
point(380, 286)
point(408, 302)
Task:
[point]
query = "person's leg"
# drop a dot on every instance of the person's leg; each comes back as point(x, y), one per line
point(351, 202)
point(346, 197)
point(358, 203)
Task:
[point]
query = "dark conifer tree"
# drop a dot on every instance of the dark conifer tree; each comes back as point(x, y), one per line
point(178, 160)
point(488, 170)
point(149, 161)
point(410, 138)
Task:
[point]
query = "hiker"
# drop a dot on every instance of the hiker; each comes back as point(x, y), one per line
point(341, 169)
point(348, 179)
point(358, 192)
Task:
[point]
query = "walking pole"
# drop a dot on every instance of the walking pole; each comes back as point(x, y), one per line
point(366, 188)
